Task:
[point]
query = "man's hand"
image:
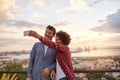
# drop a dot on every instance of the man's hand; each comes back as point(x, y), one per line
point(45, 73)
point(29, 79)
point(52, 75)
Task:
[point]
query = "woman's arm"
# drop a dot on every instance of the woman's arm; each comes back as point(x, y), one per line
point(35, 34)
point(58, 47)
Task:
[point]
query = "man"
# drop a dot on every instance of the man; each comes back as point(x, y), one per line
point(42, 58)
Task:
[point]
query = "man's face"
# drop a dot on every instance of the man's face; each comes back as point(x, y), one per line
point(49, 34)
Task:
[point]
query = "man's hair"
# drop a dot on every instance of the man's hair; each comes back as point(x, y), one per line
point(64, 37)
point(52, 29)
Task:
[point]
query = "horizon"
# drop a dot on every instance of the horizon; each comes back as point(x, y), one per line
point(75, 49)
point(89, 54)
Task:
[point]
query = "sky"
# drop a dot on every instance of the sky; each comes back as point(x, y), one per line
point(89, 22)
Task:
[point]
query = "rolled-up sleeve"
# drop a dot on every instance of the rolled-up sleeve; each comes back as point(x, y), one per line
point(51, 67)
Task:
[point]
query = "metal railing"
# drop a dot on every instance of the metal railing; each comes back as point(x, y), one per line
point(97, 71)
point(76, 71)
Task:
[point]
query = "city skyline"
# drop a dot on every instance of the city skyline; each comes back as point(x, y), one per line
point(89, 22)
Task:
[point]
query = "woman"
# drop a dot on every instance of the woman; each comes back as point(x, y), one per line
point(64, 68)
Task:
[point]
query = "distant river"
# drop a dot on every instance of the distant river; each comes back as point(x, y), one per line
point(109, 52)
point(95, 53)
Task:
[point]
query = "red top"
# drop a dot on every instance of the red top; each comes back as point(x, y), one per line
point(63, 57)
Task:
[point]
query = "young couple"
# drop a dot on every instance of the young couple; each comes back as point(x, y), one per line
point(48, 57)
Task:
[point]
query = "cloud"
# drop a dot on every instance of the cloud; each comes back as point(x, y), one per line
point(4, 4)
point(69, 9)
point(5, 14)
point(111, 25)
point(62, 24)
point(36, 15)
point(14, 44)
point(78, 3)
point(8, 41)
point(19, 23)
point(40, 3)
point(13, 41)
point(113, 39)
point(4, 28)
point(26, 24)
point(95, 2)
point(75, 5)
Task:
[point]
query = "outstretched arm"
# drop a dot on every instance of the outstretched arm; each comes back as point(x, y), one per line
point(58, 47)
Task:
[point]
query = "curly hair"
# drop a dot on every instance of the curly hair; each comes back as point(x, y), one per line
point(64, 37)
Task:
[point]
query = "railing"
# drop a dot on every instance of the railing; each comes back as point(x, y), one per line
point(97, 71)
point(76, 71)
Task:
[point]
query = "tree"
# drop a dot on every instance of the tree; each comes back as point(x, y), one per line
point(95, 76)
point(13, 67)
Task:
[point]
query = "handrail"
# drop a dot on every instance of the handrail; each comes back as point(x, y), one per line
point(95, 70)
point(16, 71)
point(76, 71)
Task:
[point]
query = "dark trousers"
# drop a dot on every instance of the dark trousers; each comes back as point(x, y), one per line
point(64, 78)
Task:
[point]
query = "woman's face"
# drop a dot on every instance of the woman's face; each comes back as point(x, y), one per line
point(58, 40)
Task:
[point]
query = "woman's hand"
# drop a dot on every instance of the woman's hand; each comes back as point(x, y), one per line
point(34, 34)
point(52, 75)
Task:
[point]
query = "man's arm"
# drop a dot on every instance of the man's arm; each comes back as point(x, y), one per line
point(31, 62)
point(46, 72)
point(51, 67)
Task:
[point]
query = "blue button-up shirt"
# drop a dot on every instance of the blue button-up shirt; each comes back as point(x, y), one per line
point(38, 61)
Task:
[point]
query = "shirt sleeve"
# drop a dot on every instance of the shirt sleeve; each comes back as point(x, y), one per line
point(58, 47)
point(51, 67)
point(31, 62)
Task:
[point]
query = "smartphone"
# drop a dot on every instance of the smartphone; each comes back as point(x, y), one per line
point(26, 33)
